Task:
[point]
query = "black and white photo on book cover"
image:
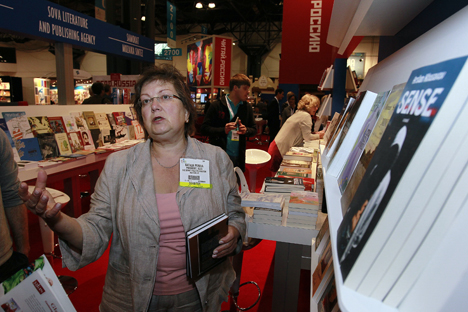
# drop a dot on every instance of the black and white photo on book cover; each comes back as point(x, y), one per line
point(421, 101)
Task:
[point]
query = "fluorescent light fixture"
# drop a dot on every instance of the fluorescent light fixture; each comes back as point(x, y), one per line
point(143, 18)
point(199, 5)
point(211, 5)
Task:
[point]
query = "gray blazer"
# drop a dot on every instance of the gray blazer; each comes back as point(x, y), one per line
point(123, 206)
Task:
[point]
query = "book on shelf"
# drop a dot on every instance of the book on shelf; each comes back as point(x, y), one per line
point(372, 143)
point(27, 164)
point(262, 200)
point(418, 127)
point(267, 216)
point(70, 124)
point(119, 118)
point(57, 124)
point(343, 117)
point(63, 144)
point(201, 241)
point(139, 132)
point(18, 125)
point(98, 139)
point(331, 127)
point(329, 298)
point(76, 142)
point(88, 143)
point(296, 172)
point(283, 185)
point(48, 145)
point(80, 121)
point(324, 264)
point(35, 288)
point(361, 140)
point(322, 236)
point(28, 149)
point(39, 125)
point(286, 163)
point(90, 119)
point(102, 121)
point(309, 183)
point(343, 145)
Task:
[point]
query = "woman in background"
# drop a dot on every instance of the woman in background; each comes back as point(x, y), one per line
point(295, 131)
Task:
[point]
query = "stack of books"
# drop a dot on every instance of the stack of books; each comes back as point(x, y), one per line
point(303, 209)
point(296, 172)
point(283, 185)
point(268, 207)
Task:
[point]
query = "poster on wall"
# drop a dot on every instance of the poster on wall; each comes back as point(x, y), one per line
point(200, 63)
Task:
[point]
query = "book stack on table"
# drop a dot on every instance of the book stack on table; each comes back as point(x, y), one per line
point(268, 208)
point(303, 209)
point(283, 184)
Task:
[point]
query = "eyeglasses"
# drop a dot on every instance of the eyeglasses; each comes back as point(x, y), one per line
point(163, 99)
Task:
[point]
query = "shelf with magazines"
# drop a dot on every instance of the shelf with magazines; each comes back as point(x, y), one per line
point(397, 238)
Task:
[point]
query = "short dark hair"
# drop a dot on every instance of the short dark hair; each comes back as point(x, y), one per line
point(106, 88)
point(239, 80)
point(170, 74)
point(278, 91)
point(97, 88)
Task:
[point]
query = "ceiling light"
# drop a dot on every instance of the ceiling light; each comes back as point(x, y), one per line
point(143, 18)
point(211, 5)
point(199, 5)
point(233, 43)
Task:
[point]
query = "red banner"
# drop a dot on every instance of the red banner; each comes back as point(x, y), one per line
point(222, 61)
point(304, 52)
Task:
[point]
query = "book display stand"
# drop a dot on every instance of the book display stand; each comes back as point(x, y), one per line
point(426, 269)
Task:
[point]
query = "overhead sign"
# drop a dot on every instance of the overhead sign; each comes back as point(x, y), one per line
point(171, 25)
point(48, 21)
point(172, 52)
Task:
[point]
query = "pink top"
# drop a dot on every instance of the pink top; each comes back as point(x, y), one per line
point(171, 278)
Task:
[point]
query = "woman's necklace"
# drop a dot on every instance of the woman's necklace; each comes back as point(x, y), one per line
point(168, 167)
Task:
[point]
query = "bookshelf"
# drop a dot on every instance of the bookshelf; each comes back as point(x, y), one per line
point(441, 283)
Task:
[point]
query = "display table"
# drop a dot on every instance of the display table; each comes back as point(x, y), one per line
point(69, 173)
point(290, 243)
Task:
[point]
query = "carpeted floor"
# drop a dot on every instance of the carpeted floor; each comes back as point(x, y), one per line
point(257, 266)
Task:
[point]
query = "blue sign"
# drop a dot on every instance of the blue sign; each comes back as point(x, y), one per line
point(172, 52)
point(171, 25)
point(51, 22)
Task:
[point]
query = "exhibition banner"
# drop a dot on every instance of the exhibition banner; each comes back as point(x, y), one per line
point(305, 53)
point(171, 25)
point(44, 20)
point(222, 61)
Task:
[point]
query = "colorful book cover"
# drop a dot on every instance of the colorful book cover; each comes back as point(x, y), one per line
point(110, 118)
point(70, 124)
point(18, 125)
point(304, 199)
point(306, 171)
point(421, 100)
point(57, 124)
point(361, 140)
point(372, 144)
point(28, 149)
point(88, 143)
point(119, 118)
point(79, 120)
point(76, 142)
point(97, 137)
point(63, 144)
point(139, 132)
point(48, 145)
point(90, 119)
point(39, 125)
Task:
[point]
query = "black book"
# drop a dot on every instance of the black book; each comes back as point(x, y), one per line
point(200, 243)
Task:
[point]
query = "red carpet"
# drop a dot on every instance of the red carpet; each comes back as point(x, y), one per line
point(258, 266)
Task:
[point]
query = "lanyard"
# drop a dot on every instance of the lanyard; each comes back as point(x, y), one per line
point(231, 113)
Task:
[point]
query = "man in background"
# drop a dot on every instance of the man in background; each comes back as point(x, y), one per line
point(220, 120)
point(13, 215)
point(98, 97)
point(108, 92)
point(274, 114)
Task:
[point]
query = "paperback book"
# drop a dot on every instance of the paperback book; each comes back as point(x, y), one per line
point(28, 149)
point(63, 144)
point(79, 120)
point(90, 119)
point(371, 145)
point(57, 124)
point(18, 125)
point(286, 163)
point(39, 125)
point(283, 185)
point(48, 145)
point(304, 200)
point(262, 200)
point(301, 173)
point(201, 241)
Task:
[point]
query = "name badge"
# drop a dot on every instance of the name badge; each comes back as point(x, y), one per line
point(195, 173)
point(234, 136)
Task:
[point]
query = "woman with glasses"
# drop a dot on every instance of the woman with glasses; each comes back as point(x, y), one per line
point(145, 202)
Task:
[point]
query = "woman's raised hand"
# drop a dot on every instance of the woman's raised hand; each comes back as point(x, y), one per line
point(40, 202)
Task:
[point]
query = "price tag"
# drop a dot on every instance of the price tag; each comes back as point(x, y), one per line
point(195, 173)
